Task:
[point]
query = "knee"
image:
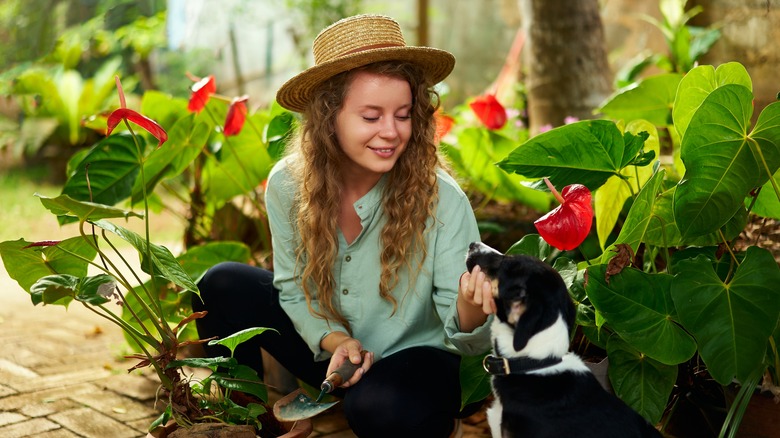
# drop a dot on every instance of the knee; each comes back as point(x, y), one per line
point(218, 281)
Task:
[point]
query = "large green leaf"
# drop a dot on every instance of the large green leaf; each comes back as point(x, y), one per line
point(185, 142)
point(240, 166)
point(163, 262)
point(64, 205)
point(639, 217)
point(662, 230)
point(651, 100)
point(106, 174)
point(639, 307)
point(721, 164)
point(587, 152)
point(731, 321)
point(641, 382)
point(698, 83)
point(27, 265)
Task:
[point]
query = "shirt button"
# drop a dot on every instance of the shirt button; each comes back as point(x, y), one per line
point(345, 292)
point(348, 258)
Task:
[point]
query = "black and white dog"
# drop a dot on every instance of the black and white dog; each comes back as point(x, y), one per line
point(541, 389)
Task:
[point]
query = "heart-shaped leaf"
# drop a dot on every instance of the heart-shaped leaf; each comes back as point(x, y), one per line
point(641, 382)
point(722, 163)
point(731, 321)
point(698, 83)
point(639, 307)
point(662, 230)
point(588, 152)
point(28, 264)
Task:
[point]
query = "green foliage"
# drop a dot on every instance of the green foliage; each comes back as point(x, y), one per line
point(155, 290)
point(685, 43)
point(649, 310)
point(56, 100)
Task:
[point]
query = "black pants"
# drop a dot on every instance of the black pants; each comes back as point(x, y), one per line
point(412, 393)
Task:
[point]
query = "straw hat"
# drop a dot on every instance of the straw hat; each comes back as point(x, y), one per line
point(354, 42)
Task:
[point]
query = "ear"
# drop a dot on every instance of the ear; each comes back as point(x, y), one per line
point(527, 326)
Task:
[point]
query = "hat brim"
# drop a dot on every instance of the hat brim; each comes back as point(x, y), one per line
point(297, 91)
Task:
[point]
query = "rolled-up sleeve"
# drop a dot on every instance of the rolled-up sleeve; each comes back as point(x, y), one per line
point(279, 199)
point(457, 228)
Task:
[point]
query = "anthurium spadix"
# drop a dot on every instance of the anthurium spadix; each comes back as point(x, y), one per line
point(566, 226)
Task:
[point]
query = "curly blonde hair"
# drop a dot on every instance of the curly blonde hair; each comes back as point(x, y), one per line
point(408, 199)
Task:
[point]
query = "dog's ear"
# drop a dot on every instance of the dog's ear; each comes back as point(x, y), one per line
point(527, 326)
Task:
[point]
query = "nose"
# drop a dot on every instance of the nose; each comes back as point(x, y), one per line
point(388, 128)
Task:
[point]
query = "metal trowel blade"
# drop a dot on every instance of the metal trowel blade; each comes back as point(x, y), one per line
point(297, 405)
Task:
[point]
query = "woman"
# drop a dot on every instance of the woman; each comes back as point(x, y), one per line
point(369, 239)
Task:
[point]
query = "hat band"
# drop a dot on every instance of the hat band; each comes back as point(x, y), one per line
point(371, 47)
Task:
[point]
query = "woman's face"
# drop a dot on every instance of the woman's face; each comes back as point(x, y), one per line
point(374, 124)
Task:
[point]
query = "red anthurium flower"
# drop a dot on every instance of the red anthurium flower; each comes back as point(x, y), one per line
point(490, 112)
point(567, 225)
point(444, 124)
point(236, 116)
point(201, 92)
point(125, 113)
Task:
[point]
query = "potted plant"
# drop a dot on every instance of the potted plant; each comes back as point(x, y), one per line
point(663, 286)
point(153, 313)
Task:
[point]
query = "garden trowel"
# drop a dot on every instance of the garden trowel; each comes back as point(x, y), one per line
point(297, 405)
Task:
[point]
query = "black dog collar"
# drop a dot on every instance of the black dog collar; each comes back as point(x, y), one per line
point(517, 365)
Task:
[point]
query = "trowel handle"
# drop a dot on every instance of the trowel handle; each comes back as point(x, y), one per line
point(340, 375)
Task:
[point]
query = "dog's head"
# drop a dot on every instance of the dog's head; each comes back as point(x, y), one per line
point(530, 295)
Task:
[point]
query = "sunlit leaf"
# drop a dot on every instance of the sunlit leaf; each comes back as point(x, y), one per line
point(587, 152)
point(698, 83)
point(26, 266)
point(651, 99)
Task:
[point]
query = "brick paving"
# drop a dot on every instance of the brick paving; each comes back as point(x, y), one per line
point(62, 375)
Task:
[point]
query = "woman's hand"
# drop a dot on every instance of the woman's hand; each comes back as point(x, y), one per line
point(475, 299)
point(348, 349)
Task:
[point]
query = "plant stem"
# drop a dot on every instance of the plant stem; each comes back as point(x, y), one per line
point(554, 192)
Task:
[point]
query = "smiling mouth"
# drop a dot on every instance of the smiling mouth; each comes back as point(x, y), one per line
point(383, 150)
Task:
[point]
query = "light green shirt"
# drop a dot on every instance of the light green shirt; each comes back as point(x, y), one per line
point(426, 315)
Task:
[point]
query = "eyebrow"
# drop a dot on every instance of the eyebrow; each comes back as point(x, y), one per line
point(379, 108)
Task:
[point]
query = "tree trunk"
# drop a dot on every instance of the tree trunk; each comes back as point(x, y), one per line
point(567, 72)
point(750, 35)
